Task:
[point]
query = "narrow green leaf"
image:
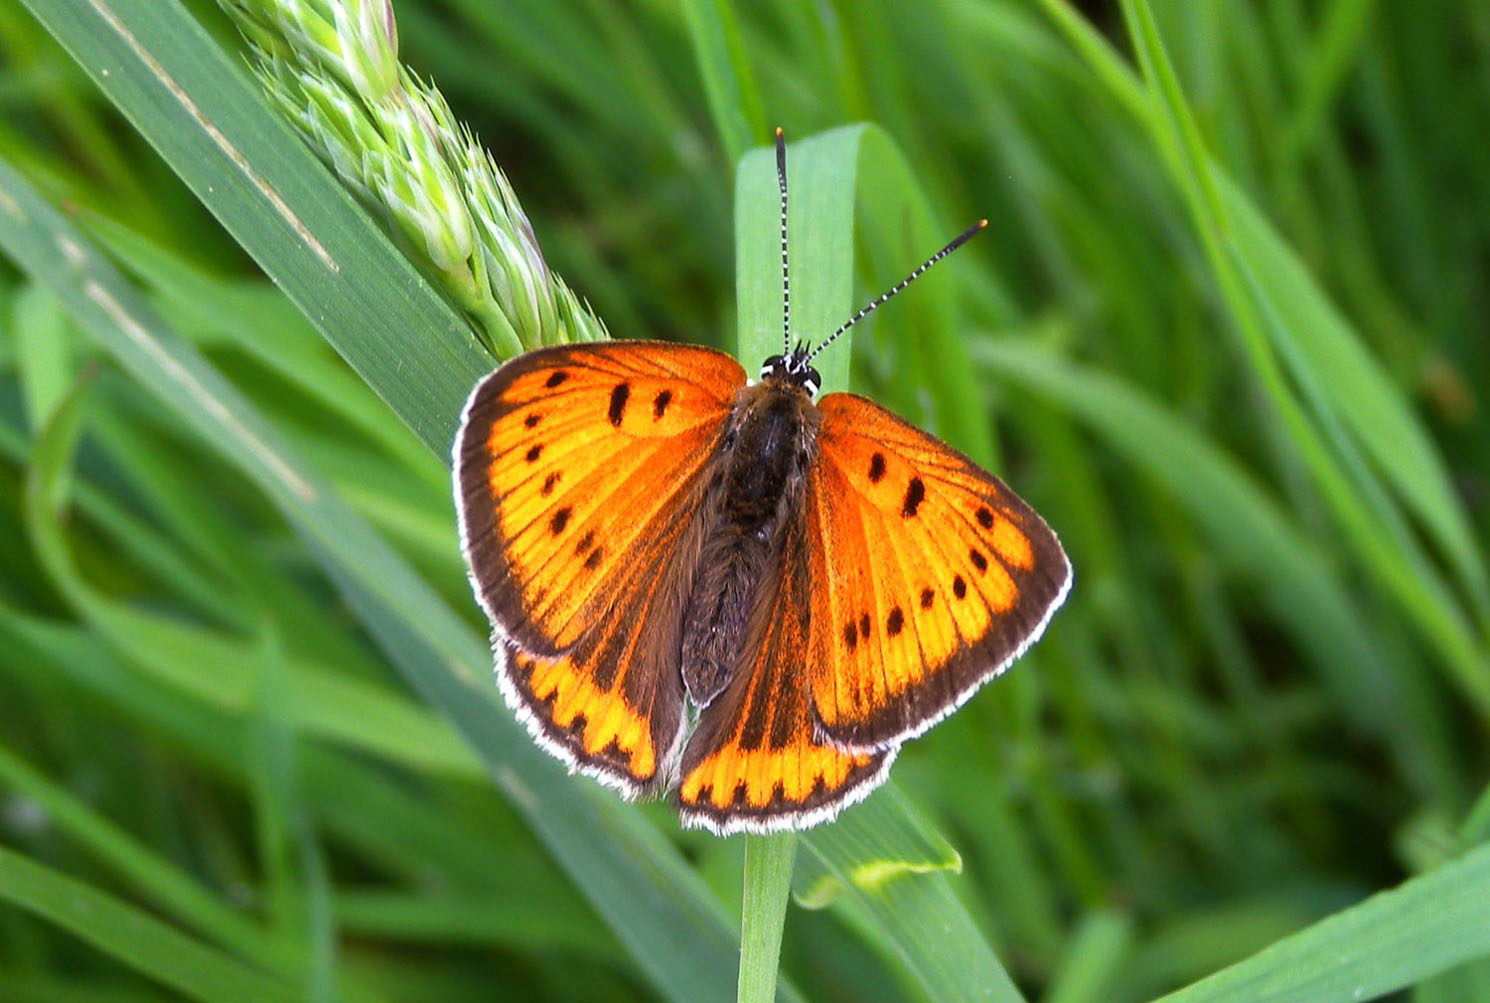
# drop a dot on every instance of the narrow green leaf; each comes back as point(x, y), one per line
point(734, 102)
point(43, 349)
point(1180, 142)
point(821, 174)
point(686, 946)
point(1098, 947)
point(134, 937)
point(164, 885)
point(298, 896)
point(198, 108)
point(768, 880)
point(1243, 524)
point(875, 851)
point(885, 859)
point(1370, 403)
point(1393, 939)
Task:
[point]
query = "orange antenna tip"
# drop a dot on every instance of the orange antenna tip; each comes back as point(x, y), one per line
point(778, 130)
point(982, 223)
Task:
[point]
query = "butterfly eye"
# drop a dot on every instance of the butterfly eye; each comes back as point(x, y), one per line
point(771, 366)
point(811, 381)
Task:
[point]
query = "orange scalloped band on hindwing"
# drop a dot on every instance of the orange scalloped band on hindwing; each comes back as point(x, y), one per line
point(929, 575)
point(578, 481)
point(596, 730)
point(755, 762)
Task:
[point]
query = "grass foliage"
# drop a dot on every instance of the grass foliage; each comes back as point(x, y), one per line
point(1227, 331)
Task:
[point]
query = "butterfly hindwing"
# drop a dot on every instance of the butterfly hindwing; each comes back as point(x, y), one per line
point(578, 481)
point(929, 574)
point(755, 762)
point(569, 460)
point(612, 705)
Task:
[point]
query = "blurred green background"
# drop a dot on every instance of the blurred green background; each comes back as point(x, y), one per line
point(1229, 333)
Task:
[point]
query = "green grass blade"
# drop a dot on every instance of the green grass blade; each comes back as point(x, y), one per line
point(43, 346)
point(684, 944)
point(1097, 950)
point(768, 882)
point(1245, 528)
point(734, 101)
point(888, 861)
point(163, 884)
point(1180, 142)
point(134, 937)
point(1368, 402)
point(821, 175)
point(198, 108)
point(1394, 939)
point(876, 850)
point(376, 815)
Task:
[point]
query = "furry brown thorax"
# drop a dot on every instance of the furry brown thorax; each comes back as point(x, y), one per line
point(768, 444)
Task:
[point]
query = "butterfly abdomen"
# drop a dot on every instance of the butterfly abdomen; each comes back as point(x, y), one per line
point(760, 466)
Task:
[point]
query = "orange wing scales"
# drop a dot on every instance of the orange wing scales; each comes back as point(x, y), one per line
point(905, 579)
point(599, 440)
point(577, 471)
point(755, 762)
point(936, 576)
point(570, 710)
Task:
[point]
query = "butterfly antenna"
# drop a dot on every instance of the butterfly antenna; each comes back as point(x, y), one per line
point(958, 241)
point(786, 286)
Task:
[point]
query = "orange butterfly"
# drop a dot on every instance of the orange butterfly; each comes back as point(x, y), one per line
point(715, 586)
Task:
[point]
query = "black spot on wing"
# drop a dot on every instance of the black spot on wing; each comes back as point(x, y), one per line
point(618, 397)
point(585, 542)
point(876, 467)
point(555, 378)
point(985, 517)
point(559, 520)
point(927, 598)
point(894, 622)
point(979, 561)
point(959, 587)
point(660, 403)
point(593, 561)
point(534, 452)
point(531, 420)
point(915, 493)
point(549, 482)
point(851, 635)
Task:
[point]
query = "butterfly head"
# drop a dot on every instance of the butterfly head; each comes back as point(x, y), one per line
point(793, 369)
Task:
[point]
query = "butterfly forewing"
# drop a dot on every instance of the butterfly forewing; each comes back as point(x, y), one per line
point(569, 459)
point(930, 576)
point(578, 472)
point(755, 761)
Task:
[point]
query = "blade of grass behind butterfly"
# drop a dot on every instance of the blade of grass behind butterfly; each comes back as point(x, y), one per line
point(734, 101)
point(165, 885)
point(1367, 401)
point(1250, 532)
point(876, 848)
point(194, 104)
point(620, 862)
point(133, 935)
point(1162, 106)
point(198, 108)
point(1392, 940)
point(375, 813)
point(255, 319)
